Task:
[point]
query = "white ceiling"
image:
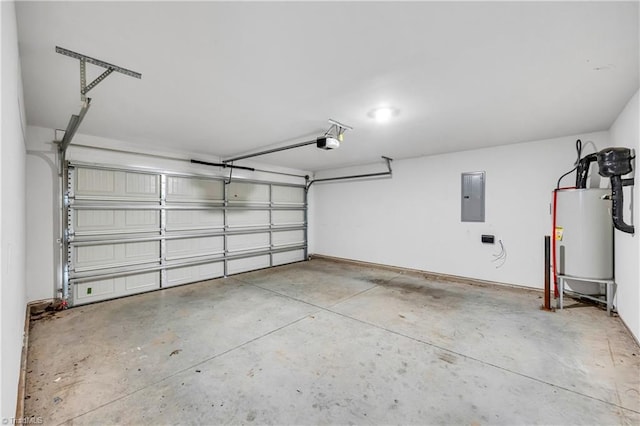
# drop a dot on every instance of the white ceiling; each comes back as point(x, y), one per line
point(225, 78)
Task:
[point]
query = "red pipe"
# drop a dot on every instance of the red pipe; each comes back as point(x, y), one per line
point(553, 233)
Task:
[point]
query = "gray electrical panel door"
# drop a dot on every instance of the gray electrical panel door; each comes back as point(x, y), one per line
point(473, 197)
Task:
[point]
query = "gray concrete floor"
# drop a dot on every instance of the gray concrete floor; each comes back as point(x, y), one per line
point(322, 342)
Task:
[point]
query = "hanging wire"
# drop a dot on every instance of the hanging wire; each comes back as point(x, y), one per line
point(575, 165)
point(500, 257)
point(230, 173)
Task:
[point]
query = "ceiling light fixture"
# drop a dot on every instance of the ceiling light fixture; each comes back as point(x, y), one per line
point(383, 114)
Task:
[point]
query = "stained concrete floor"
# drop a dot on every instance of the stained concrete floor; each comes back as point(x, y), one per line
point(322, 342)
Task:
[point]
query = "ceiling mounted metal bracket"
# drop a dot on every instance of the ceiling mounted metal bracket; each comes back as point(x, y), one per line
point(388, 160)
point(95, 82)
point(84, 59)
point(75, 120)
point(337, 129)
point(73, 125)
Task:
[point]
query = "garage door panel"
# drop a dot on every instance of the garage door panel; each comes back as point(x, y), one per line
point(91, 255)
point(137, 185)
point(193, 247)
point(287, 217)
point(288, 257)
point(103, 256)
point(95, 290)
point(94, 182)
point(182, 220)
point(142, 250)
point(248, 218)
point(237, 266)
point(186, 189)
point(110, 184)
point(248, 242)
point(146, 281)
point(141, 218)
point(87, 220)
point(285, 238)
point(103, 289)
point(287, 195)
point(103, 221)
point(190, 274)
point(246, 192)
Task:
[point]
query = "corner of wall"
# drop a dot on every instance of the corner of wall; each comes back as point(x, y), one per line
point(12, 216)
point(625, 132)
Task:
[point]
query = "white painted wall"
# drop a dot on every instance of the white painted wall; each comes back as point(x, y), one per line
point(42, 214)
point(413, 219)
point(625, 131)
point(12, 216)
point(43, 189)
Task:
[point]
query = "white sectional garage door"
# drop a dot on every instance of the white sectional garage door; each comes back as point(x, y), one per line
point(131, 231)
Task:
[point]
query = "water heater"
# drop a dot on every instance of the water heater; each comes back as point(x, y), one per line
point(584, 233)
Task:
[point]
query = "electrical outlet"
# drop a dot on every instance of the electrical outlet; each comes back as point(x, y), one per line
point(489, 239)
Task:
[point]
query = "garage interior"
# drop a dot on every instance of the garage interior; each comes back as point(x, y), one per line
point(320, 212)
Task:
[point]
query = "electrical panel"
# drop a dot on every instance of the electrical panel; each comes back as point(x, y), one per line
point(472, 196)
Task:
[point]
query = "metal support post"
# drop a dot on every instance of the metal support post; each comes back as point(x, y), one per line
point(547, 274)
point(225, 224)
point(270, 225)
point(163, 227)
